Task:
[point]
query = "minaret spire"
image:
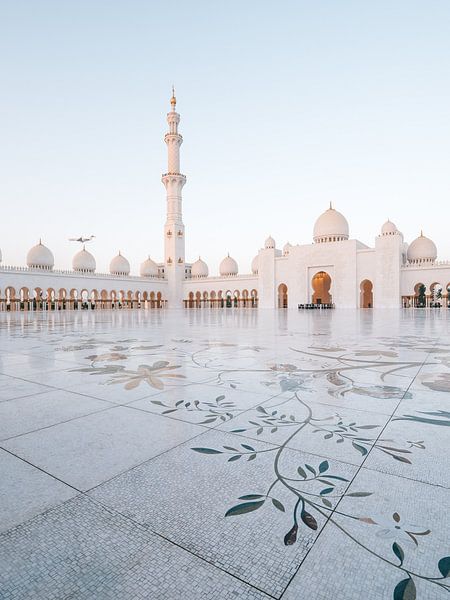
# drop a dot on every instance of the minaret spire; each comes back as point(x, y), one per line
point(174, 227)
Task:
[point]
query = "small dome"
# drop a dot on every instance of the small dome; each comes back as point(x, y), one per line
point(269, 244)
point(40, 257)
point(199, 268)
point(83, 261)
point(255, 265)
point(389, 228)
point(422, 249)
point(119, 265)
point(149, 268)
point(228, 266)
point(286, 249)
point(331, 226)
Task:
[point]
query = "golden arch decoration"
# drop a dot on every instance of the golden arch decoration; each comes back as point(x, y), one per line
point(321, 284)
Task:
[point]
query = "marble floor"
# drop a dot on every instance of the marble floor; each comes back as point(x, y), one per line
point(225, 454)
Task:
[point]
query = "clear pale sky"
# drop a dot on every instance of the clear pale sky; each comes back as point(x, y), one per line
point(285, 107)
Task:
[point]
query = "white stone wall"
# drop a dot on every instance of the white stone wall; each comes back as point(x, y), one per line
point(365, 269)
point(427, 274)
point(266, 278)
point(388, 260)
point(338, 259)
point(31, 279)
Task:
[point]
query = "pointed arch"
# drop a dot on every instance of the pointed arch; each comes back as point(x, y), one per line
point(366, 294)
point(282, 296)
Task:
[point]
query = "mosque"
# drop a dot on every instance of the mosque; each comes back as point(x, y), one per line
point(333, 270)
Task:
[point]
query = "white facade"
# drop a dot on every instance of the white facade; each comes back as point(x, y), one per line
point(333, 270)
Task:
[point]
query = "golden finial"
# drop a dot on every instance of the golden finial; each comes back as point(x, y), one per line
point(331, 206)
point(173, 100)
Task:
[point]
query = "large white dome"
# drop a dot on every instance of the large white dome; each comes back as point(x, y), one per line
point(199, 268)
point(40, 257)
point(148, 268)
point(422, 249)
point(84, 262)
point(331, 226)
point(228, 266)
point(255, 265)
point(119, 265)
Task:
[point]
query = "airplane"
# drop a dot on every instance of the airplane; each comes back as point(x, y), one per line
point(82, 239)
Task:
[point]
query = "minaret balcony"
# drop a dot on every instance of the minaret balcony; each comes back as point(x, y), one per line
point(169, 137)
point(172, 178)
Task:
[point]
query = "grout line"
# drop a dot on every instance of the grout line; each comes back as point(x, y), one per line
point(39, 469)
point(13, 437)
point(26, 396)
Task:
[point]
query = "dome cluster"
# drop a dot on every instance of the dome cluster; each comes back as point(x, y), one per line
point(40, 257)
point(331, 226)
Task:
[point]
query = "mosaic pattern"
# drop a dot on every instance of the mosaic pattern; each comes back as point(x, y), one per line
point(225, 454)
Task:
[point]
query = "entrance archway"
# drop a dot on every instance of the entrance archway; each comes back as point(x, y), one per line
point(436, 294)
point(321, 284)
point(282, 296)
point(420, 295)
point(366, 294)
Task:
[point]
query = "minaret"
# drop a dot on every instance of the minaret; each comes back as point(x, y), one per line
point(174, 181)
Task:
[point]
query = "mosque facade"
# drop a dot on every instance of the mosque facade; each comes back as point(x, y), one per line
point(333, 270)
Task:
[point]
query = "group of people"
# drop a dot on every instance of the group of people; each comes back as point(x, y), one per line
point(316, 305)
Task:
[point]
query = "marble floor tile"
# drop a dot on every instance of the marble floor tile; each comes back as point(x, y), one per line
point(25, 491)
point(415, 445)
point(80, 550)
point(13, 387)
point(37, 411)
point(91, 449)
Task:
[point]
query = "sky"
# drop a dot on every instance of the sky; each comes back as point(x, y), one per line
point(285, 106)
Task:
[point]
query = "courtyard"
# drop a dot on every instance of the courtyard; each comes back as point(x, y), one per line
point(224, 454)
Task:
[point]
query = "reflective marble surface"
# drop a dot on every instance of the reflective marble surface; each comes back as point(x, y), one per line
point(225, 454)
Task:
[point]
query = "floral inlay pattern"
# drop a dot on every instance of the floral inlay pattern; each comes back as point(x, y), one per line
point(316, 489)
